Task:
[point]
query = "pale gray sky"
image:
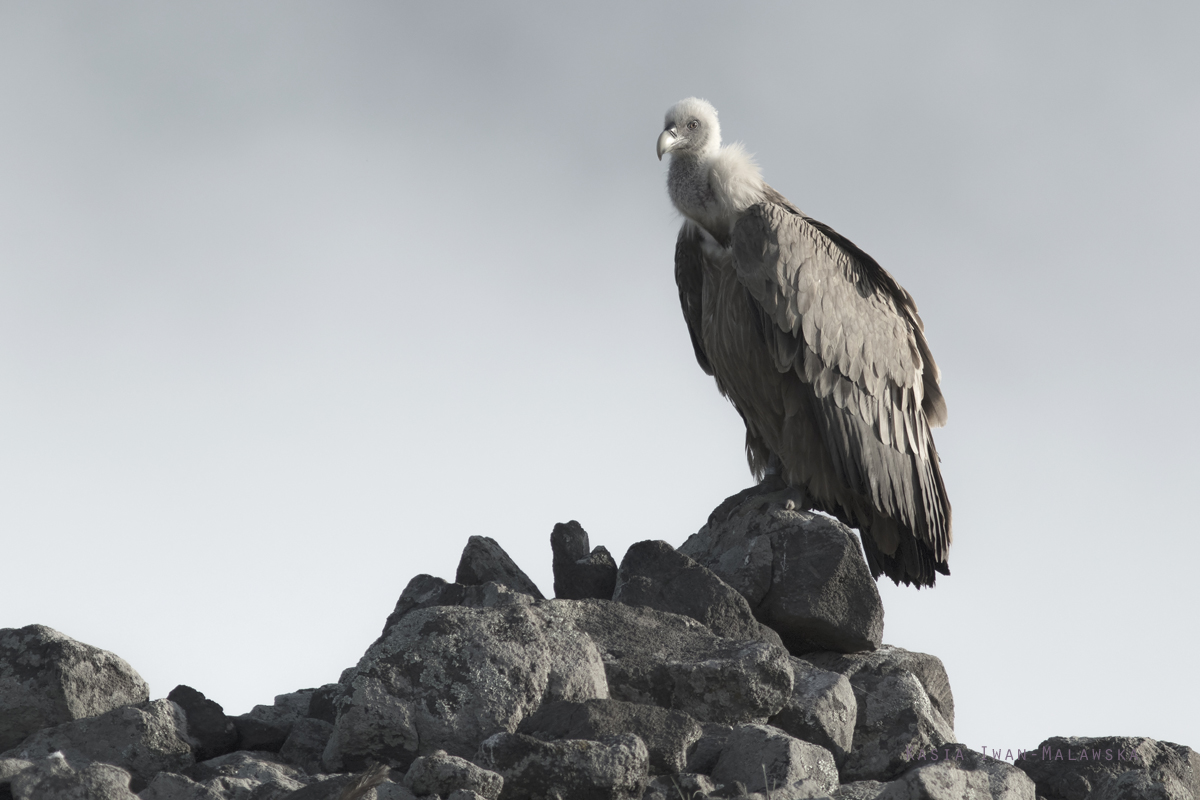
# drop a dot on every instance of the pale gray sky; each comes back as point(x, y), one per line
point(296, 297)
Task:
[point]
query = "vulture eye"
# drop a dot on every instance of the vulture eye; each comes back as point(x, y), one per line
point(693, 125)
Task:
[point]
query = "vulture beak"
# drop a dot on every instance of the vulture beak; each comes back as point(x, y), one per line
point(667, 141)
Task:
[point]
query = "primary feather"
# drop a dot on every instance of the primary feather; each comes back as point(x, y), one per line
point(819, 349)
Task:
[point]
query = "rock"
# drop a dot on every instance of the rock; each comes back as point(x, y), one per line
point(702, 757)
point(423, 591)
point(323, 705)
point(145, 739)
point(306, 743)
point(1066, 768)
point(821, 710)
point(464, 794)
point(249, 776)
point(888, 660)
point(615, 768)
point(802, 573)
point(675, 662)
point(213, 734)
point(264, 729)
point(483, 560)
point(334, 787)
point(54, 778)
point(858, 790)
point(655, 574)
point(956, 772)
point(578, 574)
point(9, 769)
point(446, 678)
point(896, 716)
point(681, 784)
point(426, 591)
point(764, 758)
point(442, 774)
point(297, 703)
point(668, 735)
point(48, 678)
point(172, 786)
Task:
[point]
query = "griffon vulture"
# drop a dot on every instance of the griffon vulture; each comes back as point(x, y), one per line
point(819, 349)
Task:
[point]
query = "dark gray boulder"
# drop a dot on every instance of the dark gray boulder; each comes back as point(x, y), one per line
point(656, 575)
point(483, 560)
point(442, 774)
point(703, 755)
point(445, 678)
point(305, 744)
point(1070, 767)
point(673, 661)
point(423, 591)
point(764, 758)
point(426, 591)
point(578, 573)
point(54, 778)
point(956, 772)
point(615, 768)
point(802, 573)
point(323, 704)
point(668, 735)
point(821, 710)
point(265, 728)
point(213, 734)
point(48, 678)
point(896, 714)
point(145, 739)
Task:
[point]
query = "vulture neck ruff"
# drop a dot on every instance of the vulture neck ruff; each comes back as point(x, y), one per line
point(712, 190)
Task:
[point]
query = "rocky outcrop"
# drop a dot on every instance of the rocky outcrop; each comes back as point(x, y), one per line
point(484, 560)
point(764, 758)
point(1107, 768)
point(213, 734)
point(675, 662)
point(579, 574)
point(144, 740)
point(900, 697)
point(955, 772)
point(668, 735)
point(613, 768)
point(821, 710)
point(656, 575)
point(442, 774)
point(666, 685)
point(445, 678)
point(54, 778)
point(47, 679)
point(802, 573)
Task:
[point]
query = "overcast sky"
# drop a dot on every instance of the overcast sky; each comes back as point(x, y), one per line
point(294, 298)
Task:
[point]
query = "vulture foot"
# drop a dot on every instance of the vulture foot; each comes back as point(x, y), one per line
point(772, 490)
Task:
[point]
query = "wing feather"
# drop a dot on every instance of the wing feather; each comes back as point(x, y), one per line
point(689, 277)
point(836, 319)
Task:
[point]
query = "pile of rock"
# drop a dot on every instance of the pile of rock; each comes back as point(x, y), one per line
point(746, 664)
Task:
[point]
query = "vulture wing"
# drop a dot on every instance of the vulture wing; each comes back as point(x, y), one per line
point(846, 329)
point(689, 277)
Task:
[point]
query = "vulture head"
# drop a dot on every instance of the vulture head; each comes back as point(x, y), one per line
point(691, 127)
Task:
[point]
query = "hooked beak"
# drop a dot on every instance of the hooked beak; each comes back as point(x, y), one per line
point(667, 141)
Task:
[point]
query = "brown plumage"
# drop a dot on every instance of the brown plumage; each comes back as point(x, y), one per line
point(819, 349)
